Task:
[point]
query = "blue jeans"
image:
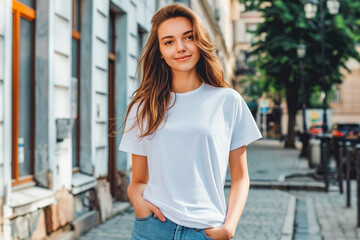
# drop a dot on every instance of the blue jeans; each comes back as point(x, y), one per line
point(152, 228)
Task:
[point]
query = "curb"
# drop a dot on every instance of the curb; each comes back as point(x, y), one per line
point(288, 227)
point(314, 227)
point(307, 186)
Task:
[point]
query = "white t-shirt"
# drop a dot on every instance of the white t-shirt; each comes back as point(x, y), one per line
point(188, 157)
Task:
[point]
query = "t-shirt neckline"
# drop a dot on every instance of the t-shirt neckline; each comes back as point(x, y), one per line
point(189, 92)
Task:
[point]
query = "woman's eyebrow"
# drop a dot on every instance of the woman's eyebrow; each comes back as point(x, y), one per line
point(173, 36)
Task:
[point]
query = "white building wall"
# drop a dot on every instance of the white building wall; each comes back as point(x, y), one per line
point(138, 13)
point(195, 5)
point(100, 23)
point(162, 3)
point(60, 34)
point(2, 62)
point(222, 41)
point(226, 23)
point(5, 93)
point(5, 119)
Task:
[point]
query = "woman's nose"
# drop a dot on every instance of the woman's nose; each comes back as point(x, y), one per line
point(180, 46)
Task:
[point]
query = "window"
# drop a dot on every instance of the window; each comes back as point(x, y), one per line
point(249, 35)
point(141, 41)
point(23, 91)
point(112, 168)
point(75, 83)
point(335, 96)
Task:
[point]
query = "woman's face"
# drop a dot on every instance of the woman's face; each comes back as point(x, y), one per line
point(177, 45)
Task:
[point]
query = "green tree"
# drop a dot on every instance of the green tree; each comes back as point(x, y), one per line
point(276, 41)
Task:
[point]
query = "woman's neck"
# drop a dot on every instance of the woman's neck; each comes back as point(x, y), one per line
point(183, 82)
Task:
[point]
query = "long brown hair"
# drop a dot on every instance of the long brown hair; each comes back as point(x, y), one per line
point(153, 95)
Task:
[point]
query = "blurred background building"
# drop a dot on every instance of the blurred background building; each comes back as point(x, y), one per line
point(67, 73)
point(344, 101)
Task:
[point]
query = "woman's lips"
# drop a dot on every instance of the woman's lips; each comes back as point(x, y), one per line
point(183, 58)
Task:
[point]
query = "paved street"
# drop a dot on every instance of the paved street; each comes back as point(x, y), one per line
point(271, 213)
point(262, 219)
point(328, 216)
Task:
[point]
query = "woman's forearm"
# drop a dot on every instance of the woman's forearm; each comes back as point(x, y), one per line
point(134, 191)
point(238, 194)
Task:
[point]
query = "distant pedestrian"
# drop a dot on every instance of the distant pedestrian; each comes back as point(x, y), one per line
point(183, 127)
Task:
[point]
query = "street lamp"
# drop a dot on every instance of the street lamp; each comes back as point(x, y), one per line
point(333, 6)
point(301, 52)
point(311, 8)
point(310, 12)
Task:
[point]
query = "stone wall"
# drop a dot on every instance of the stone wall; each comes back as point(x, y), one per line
point(104, 199)
point(60, 213)
point(84, 202)
point(122, 183)
point(29, 226)
point(1, 215)
point(42, 222)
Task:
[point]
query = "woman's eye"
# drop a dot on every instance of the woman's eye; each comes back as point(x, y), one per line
point(190, 37)
point(168, 42)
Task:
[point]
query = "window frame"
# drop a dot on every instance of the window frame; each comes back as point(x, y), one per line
point(21, 10)
point(76, 35)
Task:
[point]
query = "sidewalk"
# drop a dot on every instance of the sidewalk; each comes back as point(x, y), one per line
point(272, 213)
point(272, 166)
point(317, 214)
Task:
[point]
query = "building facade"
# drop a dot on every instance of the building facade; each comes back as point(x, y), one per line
point(217, 18)
point(67, 73)
point(345, 103)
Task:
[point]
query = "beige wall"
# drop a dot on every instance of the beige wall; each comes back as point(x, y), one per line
point(348, 108)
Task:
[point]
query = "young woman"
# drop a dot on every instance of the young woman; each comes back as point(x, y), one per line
point(183, 127)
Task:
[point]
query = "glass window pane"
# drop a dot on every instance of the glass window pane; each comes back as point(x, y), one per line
point(29, 3)
point(74, 58)
point(12, 93)
point(77, 16)
point(111, 33)
point(74, 144)
point(74, 115)
point(74, 97)
point(25, 96)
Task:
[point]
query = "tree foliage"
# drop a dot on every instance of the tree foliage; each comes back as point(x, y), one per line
point(277, 39)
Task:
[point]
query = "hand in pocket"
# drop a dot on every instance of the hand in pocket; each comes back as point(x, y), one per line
point(144, 208)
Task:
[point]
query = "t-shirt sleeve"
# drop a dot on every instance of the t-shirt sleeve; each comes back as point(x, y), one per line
point(245, 129)
point(130, 141)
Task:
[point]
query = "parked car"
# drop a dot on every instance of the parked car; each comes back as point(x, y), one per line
point(315, 130)
point(347, 130)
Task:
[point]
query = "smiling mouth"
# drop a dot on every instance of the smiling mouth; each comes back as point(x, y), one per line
point(183, 58)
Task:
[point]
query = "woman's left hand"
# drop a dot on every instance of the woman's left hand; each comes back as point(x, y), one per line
point(219, 233)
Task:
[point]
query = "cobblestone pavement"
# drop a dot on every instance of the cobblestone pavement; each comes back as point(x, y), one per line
point(264, 215)
point(269, 213)
point(268, 160)
point(263, 218)
point(328, 215)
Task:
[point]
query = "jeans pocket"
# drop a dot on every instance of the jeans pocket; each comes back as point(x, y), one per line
point(205, 235)
point(144, 218)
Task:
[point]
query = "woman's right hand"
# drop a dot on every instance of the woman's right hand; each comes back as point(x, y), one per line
point(144, 208)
